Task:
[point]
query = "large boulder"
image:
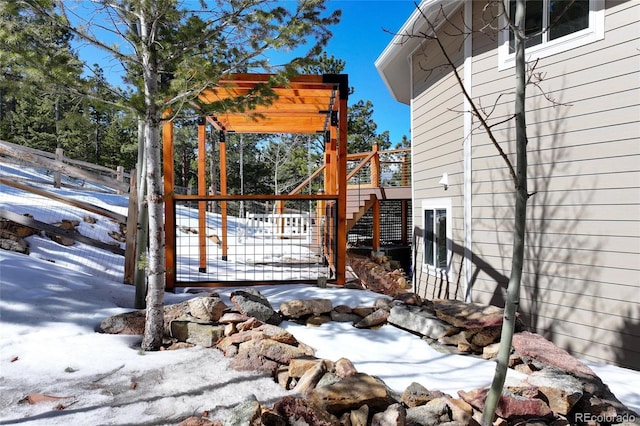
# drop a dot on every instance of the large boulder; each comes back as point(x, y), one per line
point(534, 346)
point(253, 304)
point(561, 390)
point(263, 354)
point(468, 315)
point(351, 393)
point(374, 319)
point(415, 395)
point(13, 242)
point(207, 308)
point(420, 320)
point(246, 413)
point(511, 406)
point(300, 308)
point(300, 411)
point(394, 415)
point(125, 323)
point(197, 332)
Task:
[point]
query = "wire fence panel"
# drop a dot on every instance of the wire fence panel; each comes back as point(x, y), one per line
point(391, 214)
point(228, 242)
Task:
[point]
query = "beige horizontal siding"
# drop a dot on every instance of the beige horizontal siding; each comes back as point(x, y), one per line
point(582, 273)
point(568, 256)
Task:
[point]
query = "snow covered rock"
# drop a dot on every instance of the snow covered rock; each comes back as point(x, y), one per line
point(12, 242)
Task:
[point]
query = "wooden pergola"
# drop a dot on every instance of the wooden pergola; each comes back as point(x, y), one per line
point(306, 104)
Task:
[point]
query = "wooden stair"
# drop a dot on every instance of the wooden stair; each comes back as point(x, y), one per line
point(360, 199)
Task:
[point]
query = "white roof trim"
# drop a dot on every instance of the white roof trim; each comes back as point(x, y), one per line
point(393, 64)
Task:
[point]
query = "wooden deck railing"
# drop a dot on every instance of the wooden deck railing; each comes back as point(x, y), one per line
point(380, 168)
point(374, 168)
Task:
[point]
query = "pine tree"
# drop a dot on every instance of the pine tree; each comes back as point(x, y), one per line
point(172, 54)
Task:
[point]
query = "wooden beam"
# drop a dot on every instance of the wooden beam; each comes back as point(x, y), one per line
point(308, 180)
point(202, 190)
point(169, 207)
point(42, 226)
point(271, 124)
point(223, 191)
point(80, 204)
point(341, 264)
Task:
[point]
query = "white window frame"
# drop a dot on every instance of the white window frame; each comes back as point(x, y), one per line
point(546, 48)
point(438, 204)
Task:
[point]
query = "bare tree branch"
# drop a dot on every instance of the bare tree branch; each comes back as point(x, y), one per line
point(474, 108)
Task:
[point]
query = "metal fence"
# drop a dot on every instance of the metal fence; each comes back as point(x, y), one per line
point(391, 214)
point(247, 239)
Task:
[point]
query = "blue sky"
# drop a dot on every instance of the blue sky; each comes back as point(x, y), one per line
point(359, 39)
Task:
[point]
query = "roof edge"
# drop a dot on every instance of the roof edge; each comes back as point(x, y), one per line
point(393, 64)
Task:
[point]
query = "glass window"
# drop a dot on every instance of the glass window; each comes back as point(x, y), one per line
point(560, 17)
point(567, 17)
point(429, 237)
point(435, 247)
point(533, 23)
point(553, 27)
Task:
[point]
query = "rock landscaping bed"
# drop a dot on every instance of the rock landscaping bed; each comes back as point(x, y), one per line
point(558, 389)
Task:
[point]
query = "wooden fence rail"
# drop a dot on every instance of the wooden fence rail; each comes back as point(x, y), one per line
point(60, 165)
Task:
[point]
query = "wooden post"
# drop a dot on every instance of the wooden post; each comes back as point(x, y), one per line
point(132, 225)
point(341, 261)
point(375, 212)
point(330, 210)
point(375, 166)
point(202, 191)
point(223, 191)
point(327, 164)
point(57, 176)
point(280, 220)
point(333, 166)
point(322, 204)
point(404, 170)
point(375, 182)
point(169, 207)
point(120, 176)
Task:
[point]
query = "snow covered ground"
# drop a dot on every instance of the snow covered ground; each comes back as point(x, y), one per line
point(52, 301)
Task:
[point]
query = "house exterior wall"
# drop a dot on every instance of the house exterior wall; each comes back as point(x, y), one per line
point(437, 136)
point(582, 262)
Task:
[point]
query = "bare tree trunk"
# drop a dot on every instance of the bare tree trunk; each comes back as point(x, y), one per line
point(154, 325)
point(140, 276)
point(517, 260)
